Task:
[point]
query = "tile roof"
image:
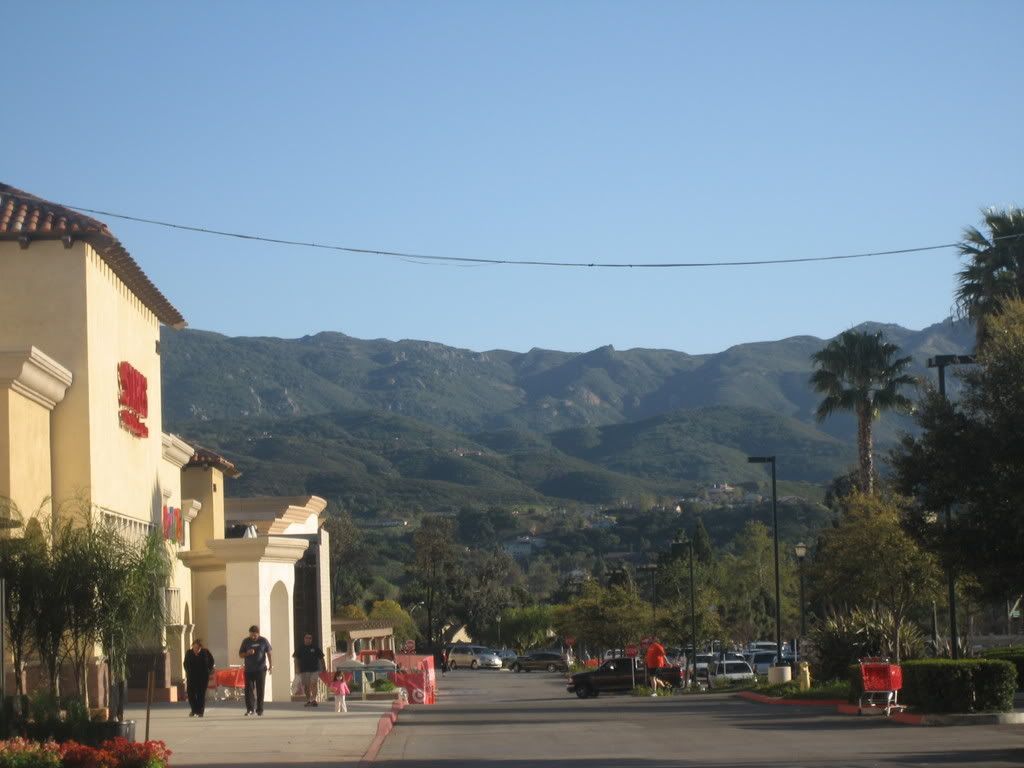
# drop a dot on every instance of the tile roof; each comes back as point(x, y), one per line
point(204, 457)
point(25, 217)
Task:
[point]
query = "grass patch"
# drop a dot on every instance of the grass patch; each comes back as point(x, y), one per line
point(836, 689)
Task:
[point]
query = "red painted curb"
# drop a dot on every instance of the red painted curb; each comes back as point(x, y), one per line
point(762, 699)
point(384, 726)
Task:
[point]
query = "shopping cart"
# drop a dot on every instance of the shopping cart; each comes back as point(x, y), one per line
point(882, 682)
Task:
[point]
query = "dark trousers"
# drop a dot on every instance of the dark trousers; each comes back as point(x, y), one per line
point(196, 687)
point(255, 680)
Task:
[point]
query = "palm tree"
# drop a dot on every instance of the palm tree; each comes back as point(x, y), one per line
point(859, 371)
point(996, 268)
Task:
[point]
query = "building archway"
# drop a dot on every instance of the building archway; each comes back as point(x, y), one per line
point(281, 639)
point(217, 625)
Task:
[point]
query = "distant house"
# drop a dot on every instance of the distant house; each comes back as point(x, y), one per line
point(720, 493)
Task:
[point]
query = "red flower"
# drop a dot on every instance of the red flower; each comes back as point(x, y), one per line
point(80, 756)
point(130, 754)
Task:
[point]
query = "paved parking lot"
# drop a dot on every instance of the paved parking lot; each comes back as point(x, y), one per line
point(504, 720)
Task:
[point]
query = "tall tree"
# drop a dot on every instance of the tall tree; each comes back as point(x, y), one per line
point(434, 570)
point(860, 372)
point(969, 456)
point(868, 559)
point(995, 270)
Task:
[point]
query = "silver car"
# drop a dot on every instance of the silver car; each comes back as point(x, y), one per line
point(474, 657)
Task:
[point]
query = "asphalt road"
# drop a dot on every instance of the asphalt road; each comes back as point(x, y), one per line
point(504, 720)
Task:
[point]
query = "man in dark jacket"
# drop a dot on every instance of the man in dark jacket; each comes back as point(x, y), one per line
point(309, 659)
point(198, 668)
point(259, 662)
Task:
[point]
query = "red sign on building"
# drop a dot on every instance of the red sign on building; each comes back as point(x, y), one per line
point(132, 399)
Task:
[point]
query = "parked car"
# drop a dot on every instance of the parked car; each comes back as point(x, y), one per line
point(618, 675)
point(552, 661)
point(508, 657)
point(731, 671)
point(767, 645)
point(762, 661)
point(473, 656)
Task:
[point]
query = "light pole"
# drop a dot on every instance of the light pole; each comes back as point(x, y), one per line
point(940, 362)
point(677, 552)
point(800, 550)
point(775, 528)
point(498, 619)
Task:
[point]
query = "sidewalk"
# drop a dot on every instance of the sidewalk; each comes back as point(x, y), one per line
point(287, 734)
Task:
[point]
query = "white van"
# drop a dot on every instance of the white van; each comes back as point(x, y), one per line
point(731, 671)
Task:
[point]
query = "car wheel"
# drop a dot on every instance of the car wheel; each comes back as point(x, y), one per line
point(452, 666)
point(583, 692)
point(552, 668)
point(474, 664)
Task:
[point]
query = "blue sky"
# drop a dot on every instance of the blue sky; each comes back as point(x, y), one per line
point(574, 131)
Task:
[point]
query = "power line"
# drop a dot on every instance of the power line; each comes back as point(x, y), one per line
point(470, 260)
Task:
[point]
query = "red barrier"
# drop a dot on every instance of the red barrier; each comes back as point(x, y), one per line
point(418, 678)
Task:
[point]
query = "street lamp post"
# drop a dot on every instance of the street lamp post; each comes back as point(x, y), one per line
point(800, 550)
point(677, 549)
point(940, 362)
point(775, 528)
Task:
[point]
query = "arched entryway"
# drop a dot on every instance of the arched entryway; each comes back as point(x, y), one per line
point(281, 639)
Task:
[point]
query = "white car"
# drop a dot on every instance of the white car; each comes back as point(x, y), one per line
point(731, 671)
point(474, 657)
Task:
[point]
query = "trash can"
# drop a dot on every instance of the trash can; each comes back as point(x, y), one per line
point(781, 674)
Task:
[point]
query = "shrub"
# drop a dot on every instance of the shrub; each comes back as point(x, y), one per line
point(75, 755)
point(842, 639)
point(133, 754)
point(383, 685)
point(22, 753)
point(1013, 654)
point(947, 685)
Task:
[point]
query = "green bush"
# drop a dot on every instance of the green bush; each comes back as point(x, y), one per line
point(842, 639)
point(1013, 654)
point(947, 685)
point(383, 685)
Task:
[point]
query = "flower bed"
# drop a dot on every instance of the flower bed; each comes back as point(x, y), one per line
point(115, 753)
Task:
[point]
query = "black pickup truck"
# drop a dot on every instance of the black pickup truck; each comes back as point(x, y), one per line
point(618, 676)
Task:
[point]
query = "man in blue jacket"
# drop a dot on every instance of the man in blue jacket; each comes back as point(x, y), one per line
point(255, 652)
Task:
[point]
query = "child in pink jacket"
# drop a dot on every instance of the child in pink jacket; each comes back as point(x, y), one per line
point(340, 690)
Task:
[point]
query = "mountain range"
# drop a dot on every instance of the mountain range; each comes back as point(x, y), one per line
point(381, 424)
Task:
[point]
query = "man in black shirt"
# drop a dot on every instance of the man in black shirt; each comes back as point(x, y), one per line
point(198, 668)
point(255, 651)
point(309, 659)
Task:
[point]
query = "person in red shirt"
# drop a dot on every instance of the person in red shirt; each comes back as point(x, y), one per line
point(655, 660)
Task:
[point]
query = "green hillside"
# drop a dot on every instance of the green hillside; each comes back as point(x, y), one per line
point(397, 427)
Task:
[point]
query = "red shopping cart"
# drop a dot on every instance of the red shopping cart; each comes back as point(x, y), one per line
point(882, 682)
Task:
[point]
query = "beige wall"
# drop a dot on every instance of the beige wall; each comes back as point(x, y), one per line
point(205, 485)
point(67, 302)
point(24, 451)
point(43, 303)
point(121, 328)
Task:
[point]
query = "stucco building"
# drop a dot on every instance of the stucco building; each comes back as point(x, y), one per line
point(81, 422)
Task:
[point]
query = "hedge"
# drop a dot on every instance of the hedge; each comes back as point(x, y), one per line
point(947, 685)
point(1013, 654)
